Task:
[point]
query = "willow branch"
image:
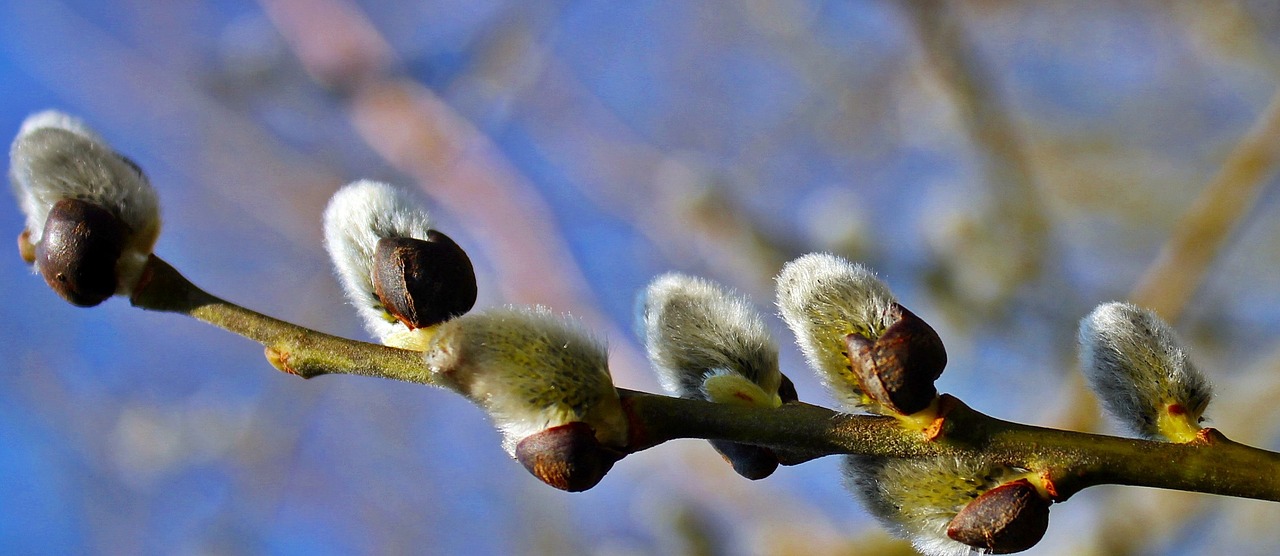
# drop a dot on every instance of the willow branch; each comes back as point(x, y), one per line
point(1069, 460)
point(1072, 461)
point(289, 347)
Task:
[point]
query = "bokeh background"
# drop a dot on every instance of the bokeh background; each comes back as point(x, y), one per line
point(1005, 167)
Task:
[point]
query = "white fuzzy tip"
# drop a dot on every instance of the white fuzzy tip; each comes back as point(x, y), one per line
point(824, 298)
point(56, 156)
point(1136, 364)
point(58, 120)
point(695, 330)
point(530, 370)
point(359, 215)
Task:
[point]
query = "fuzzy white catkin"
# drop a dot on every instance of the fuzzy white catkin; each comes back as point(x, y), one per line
point(530, 370)
point(56, 156)
point(358, 216)
point(824, 298)
point(695, 329)
point(916, 499)
point(1136, 364)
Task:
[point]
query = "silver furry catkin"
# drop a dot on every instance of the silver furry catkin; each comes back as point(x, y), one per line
point(824, 299)
point(1136, 364)
point(92, 217)
point(707, 342)
point(697, 333)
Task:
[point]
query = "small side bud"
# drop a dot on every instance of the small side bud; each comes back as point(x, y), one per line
point(1009, 518)
point(824, 299)
point(567, 457)
point(535, 373)
point(898, 369)
point(707, 343)
point(1136, 364)
point(423, 282)
point(78, 253)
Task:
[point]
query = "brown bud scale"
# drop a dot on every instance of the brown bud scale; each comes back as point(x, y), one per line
point(423, 282)
point(567, 457)
point(78, 252)
point(898, 369)
point(1009, 518)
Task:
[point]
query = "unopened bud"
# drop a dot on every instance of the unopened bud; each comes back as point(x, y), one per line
point(898, 369)
point(78, 253)
point(423, 282)
point(1009, 518)
point(748, 461)
point(568, 457)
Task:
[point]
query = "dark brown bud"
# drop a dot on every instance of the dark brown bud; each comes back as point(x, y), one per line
point(423, 283)
point(78, 253)
point(567, 457)
point(787, 390)
point(749, 461)
point(898, 369)
point(1009, 518)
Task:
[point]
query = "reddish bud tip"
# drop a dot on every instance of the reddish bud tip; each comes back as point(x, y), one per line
point(567, 457)
point(1009, 518)
point(78, 253)
point(423, 283)
point(899, 368)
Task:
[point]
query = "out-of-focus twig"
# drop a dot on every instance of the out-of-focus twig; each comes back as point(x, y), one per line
point(1202, 232)
point(686, 208)
point(1014, 248)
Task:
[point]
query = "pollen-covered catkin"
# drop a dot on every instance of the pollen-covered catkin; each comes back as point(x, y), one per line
point(530, 370)
point(920, 499)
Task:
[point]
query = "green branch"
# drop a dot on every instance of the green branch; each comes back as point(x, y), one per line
point(289, 347)
point(1070, 460)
